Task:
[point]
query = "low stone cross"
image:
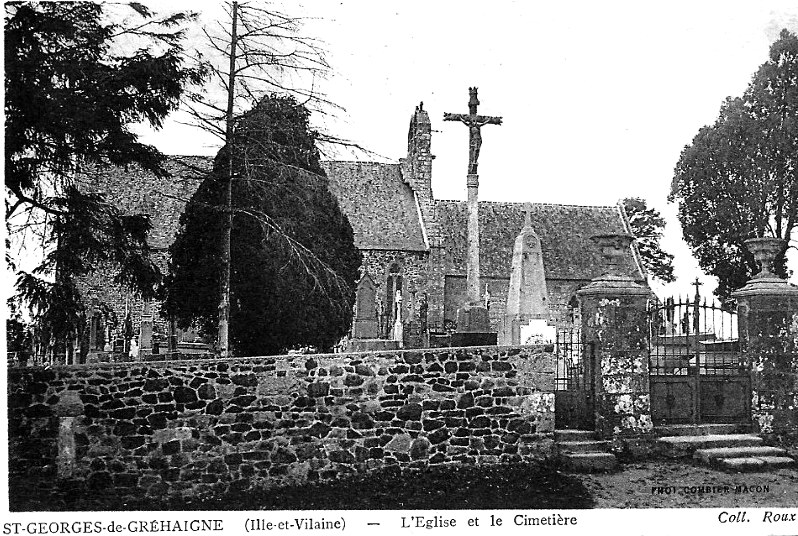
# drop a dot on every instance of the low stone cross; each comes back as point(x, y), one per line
point(527, 214)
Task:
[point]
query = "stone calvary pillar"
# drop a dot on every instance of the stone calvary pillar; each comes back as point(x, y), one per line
point(473, 322)
point(767, 308)
point(527, 295)
point(615, 345)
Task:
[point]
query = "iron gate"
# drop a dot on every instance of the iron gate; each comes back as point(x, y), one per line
point(697, 372)
point(574, 387)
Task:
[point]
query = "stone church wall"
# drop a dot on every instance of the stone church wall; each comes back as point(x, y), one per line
point(100, 286)
point(134, 191)
point(436, 286)
point(412, 265)
point(195, 428)
point(561, 294)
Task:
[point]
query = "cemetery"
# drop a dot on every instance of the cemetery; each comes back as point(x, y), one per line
point(524, 355)
point(292, 320)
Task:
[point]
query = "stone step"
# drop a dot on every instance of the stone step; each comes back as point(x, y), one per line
point(711, 454)
point(574, 435)
point(700, 429)
point(583, 446)
point(680, 446)
point(589, 462)
point(755, 463)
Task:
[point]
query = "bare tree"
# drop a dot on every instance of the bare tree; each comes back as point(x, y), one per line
point(255, 52)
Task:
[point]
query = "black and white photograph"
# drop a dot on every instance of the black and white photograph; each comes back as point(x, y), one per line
point(491, 267)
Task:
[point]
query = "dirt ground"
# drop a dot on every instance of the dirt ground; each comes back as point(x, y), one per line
point(655, 484)
point(665, 484)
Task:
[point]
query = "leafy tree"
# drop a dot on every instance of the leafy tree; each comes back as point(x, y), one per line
point(647, 225)
point(293, 260)
point(739, 177)
point(74, 83)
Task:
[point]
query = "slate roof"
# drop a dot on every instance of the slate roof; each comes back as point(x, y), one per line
point(564, 231)
point(379, 205)
point(136, 191)
point(382, 211)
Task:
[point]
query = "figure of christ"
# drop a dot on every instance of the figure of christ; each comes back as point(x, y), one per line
point(474, 122)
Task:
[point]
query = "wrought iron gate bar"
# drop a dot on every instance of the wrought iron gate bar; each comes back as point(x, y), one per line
point(570, 368)
point(697, 372)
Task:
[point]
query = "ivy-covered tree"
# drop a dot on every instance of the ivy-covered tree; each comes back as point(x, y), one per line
point(738, 179)
point(647, 225)
point(293, 261)
point(75, 81)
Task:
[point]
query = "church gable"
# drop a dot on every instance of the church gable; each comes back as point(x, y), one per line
point(380, 206)
point(136, 191)
point(564, 231)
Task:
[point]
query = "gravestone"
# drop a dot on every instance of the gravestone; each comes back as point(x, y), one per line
point(527, 295)
point(145, 332)
point(370, 321)
point(365, 325)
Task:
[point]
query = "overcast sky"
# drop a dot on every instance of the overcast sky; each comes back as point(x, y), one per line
point(598, 98)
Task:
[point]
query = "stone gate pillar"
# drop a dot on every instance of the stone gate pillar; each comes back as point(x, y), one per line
point(615, 344)
point(767, 309)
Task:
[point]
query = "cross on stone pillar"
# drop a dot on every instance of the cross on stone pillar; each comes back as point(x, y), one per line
point(527, 215)
point(696, 309)
point(697, 284)
point(474, 122)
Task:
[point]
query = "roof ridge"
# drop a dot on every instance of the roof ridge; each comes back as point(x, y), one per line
point(531, 203)
point(359, 162)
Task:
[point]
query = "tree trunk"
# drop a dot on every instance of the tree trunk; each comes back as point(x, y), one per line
point(227, 216)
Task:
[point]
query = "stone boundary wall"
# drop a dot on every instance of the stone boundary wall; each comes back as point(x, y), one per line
point(201, 428)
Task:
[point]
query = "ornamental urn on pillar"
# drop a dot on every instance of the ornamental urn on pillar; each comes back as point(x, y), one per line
point(767, 311)
point(615, 248)
point(765, 251)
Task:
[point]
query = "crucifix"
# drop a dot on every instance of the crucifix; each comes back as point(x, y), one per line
point(696, 309)
point(697, 284)
point(474, 122)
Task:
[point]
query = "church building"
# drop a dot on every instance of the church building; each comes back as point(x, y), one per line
point(416, 243)
point(414, 248)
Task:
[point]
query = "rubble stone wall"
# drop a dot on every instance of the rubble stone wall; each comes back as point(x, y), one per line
point(615, 326)
point(769, 339)
point(200, 428)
